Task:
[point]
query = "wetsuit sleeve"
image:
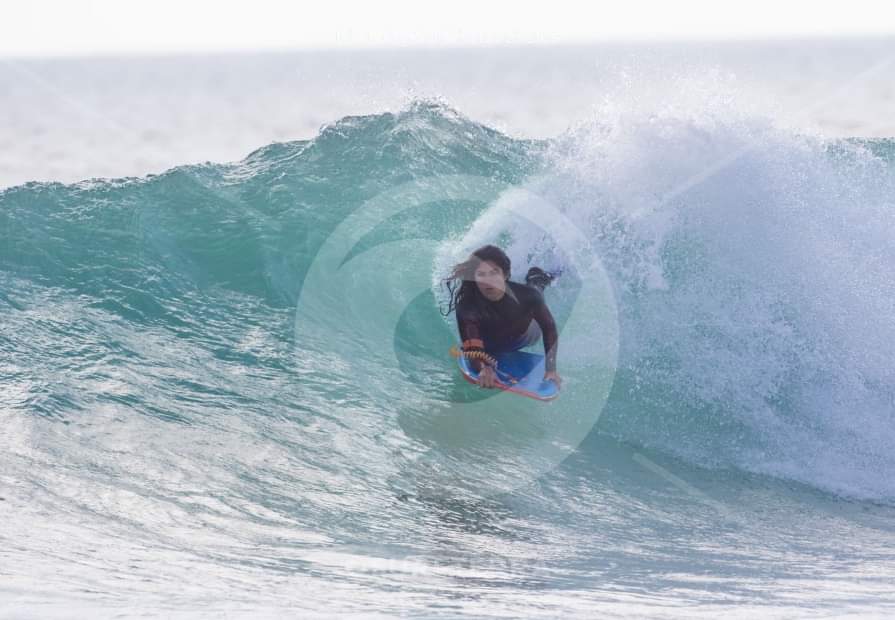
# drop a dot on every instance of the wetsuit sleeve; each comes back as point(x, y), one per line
point(471, 335)
point(548, 332)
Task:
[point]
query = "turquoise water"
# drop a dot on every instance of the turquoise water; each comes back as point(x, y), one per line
point(226, 387)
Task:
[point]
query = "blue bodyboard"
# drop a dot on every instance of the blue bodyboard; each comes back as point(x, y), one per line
point(517, 371)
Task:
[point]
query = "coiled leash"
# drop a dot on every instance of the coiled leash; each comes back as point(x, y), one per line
point(506, 377)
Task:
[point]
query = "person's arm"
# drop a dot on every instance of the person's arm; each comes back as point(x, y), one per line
point(549, 334)
point(471, 335)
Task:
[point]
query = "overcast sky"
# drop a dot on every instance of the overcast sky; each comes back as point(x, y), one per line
point(57, 27)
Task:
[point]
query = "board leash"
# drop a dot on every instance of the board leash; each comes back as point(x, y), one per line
point(488, 359)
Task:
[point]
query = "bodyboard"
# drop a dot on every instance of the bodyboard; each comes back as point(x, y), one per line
point(517, 371)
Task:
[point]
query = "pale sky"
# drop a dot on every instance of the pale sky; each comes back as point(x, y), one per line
point(86, 27)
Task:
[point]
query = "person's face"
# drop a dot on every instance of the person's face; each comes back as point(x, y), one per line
point(491, 280)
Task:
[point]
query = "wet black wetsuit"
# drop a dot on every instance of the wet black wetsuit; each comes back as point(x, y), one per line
point(508, 328)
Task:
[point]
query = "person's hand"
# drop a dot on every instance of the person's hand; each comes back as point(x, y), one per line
point(551, 375)
point(487, 378)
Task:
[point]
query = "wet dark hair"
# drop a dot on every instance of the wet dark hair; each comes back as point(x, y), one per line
point(468, 291)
